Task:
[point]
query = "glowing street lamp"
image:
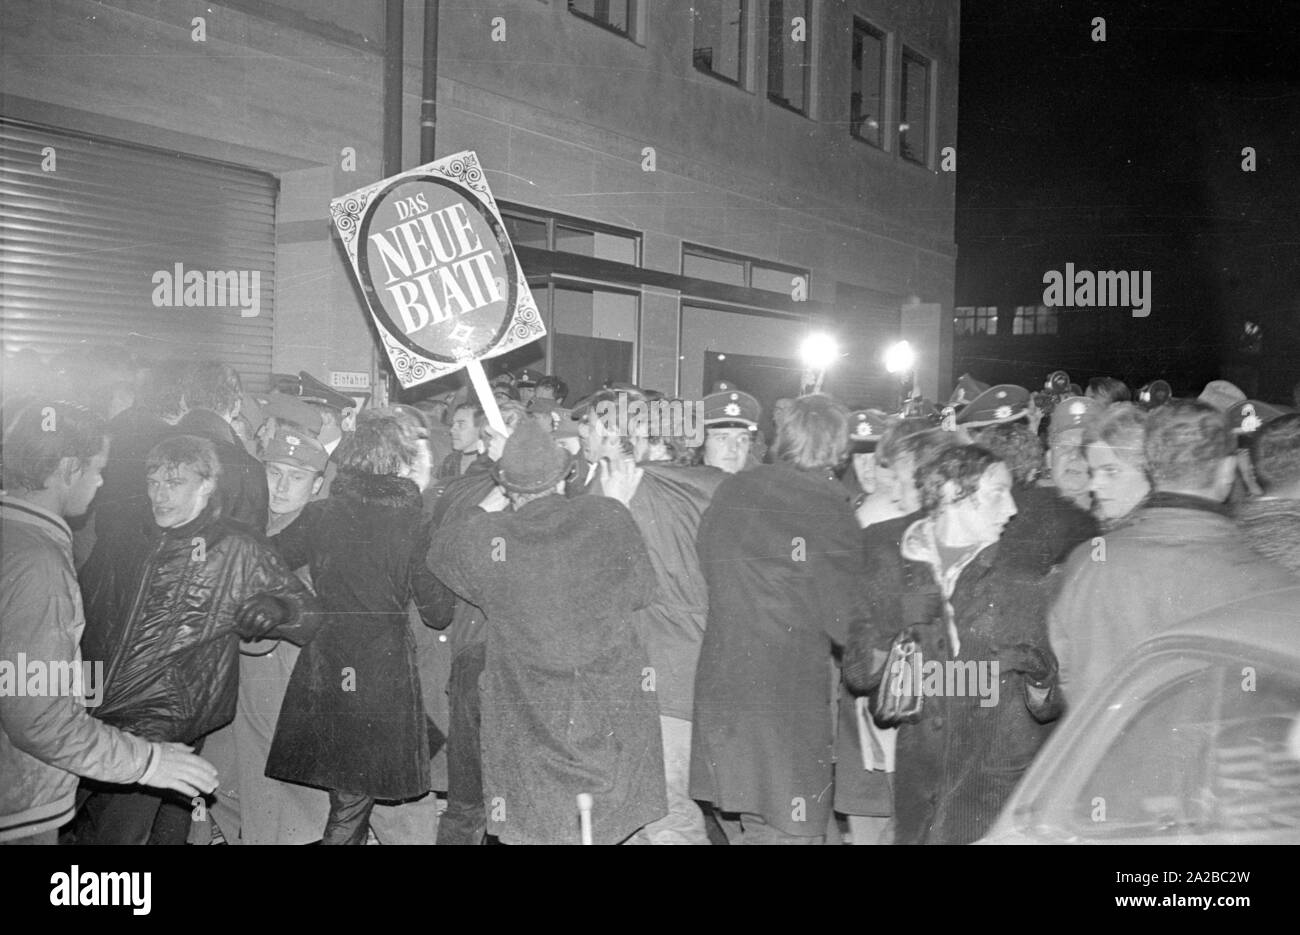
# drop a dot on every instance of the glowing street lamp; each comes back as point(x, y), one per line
point(818, 351)
point(900, 359)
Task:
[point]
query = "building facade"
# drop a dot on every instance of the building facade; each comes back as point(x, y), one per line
point(691, 187)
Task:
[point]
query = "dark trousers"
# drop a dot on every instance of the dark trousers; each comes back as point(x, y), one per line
point(132, 815)
point(349, 818)
point(112, 814)
point(465, 820)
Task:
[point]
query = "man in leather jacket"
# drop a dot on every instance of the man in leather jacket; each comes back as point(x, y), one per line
point(165, 610)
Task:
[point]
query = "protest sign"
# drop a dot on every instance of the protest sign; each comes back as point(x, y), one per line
point(438, 271)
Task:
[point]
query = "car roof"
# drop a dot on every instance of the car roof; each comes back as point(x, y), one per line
point(1269, 621)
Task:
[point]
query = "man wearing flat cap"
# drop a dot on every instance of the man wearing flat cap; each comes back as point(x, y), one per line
point(565, 707)
point(730, 420)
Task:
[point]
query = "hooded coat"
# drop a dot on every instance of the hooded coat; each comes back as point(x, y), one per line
point(565, 705)
point(353, 717)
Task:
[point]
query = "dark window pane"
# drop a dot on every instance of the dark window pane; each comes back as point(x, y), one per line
point(720, 37)
point(526, 232)
point(774, 279)
point(914, 117)
point(788, 56)
point(731, 272)
point(571, 240)
point(866, 103)
point(616, 14)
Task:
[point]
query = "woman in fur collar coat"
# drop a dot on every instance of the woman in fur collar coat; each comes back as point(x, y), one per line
point(353, 718)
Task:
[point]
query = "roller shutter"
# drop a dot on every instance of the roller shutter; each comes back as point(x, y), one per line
point(83, 250)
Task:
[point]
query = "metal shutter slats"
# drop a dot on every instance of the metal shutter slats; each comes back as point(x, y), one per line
point(79, 248)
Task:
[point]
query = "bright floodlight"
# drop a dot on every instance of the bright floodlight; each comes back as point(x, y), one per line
point(900, 358)
point(819, 351)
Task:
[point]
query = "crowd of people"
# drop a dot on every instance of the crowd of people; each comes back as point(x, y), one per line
point(290, 621)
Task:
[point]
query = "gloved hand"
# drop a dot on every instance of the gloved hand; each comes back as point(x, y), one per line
point(1038, 665)
point(261, 614)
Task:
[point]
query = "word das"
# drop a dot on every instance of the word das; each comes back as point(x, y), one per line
point(59, 678)
point(438, 258)
point(178, 288)
point(953, 678)
point(1105, 289)
point(103, 889)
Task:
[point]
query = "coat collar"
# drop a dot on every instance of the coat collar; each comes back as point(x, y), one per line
point(24, 511)
point(376, 489)
point(921, 544)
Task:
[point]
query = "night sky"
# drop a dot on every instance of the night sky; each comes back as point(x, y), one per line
point(1127, 154)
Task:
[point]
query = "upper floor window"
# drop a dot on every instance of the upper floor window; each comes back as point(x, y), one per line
point(867, 100)
point(529, 228)
point(914, 108)
point(788, 53)
point(734, 269)
point(618, 15)
point(1035, 319)
point(720, 38)
point(975, 319)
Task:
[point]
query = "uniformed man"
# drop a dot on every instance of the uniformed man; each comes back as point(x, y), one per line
point(730, 420)
point(997, 404)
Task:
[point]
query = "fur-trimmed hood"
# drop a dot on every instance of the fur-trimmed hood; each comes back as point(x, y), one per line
point(376, 489)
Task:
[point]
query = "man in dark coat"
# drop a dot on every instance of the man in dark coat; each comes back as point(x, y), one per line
point(781, 555)
point(353, 719)
point(667, 502)
point(165, 608)
point(465, 821)
point(566, 708)
point(214, 395)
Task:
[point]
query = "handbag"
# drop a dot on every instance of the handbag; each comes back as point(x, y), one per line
point(898, 696)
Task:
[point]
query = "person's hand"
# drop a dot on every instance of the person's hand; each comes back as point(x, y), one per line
point(1035, 416)
point(496, 501)
point(1035, 663)
point(179, 769)
point(619, 478)
point(494, 442)
point(260, 614)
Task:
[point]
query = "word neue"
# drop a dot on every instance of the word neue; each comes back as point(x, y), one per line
point(1104, 289)
point(953, 678)
point(437, 267)
point(212, 288)
point(103, 889)
point(41, 678)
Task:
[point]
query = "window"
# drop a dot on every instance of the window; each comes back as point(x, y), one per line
point(737, 270)
point(867, 102)
point(976, 319)
point(720, 38)
point(616, 15)
point(788, 53)
point(1201, 756)
point(571, 235)
point(1035, 319)
point(914, 108)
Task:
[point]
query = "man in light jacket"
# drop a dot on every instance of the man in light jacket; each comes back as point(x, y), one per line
point(53, 456)
point(1178, 554)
